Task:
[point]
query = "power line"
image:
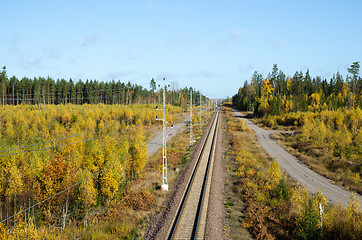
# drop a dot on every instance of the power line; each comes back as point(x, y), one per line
point(74, 185)
point(57, 93)
point(118, 204)
point(58, 99)
point(134, 213)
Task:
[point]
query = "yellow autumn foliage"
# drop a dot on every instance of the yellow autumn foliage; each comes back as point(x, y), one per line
point(273, 174)
point(66, 144)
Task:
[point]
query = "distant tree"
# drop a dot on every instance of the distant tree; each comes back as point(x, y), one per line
point(52, 90)
point(267, 88)
point(354, 71)
point(72, 91)
point(256, 81)
point(79, 86)
point(3, 81)
point(274, 76)
point(338, 83)
point(153, 85)
point(12, 85)
point(308, 83)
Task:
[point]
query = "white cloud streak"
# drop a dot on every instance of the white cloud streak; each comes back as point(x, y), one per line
point(237, 35)
point(90, 40)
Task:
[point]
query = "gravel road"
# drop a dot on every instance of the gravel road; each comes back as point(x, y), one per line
point(293, 167)
point(156, 142)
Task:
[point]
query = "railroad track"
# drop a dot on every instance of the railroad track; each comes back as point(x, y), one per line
point(190, 220)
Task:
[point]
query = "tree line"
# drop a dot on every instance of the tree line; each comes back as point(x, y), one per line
point(50, 91)
point(279, 93)
point(328, 113)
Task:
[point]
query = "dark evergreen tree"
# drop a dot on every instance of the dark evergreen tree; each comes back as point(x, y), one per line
point(354, 71)
point(3, 84)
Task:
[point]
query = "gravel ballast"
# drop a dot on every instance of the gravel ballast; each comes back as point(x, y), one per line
point(160, 223)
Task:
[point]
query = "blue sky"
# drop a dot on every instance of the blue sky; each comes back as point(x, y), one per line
point(213, 46)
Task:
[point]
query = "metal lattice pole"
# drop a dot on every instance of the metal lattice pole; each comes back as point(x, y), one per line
point(164, 157)
point(200, 112)
point(209, 107)
point(191, 137)
point(164, 185)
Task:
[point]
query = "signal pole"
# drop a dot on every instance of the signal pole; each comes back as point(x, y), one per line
point(209, 104)
point(209, 108)
point(191, 137)
point(200, 112)
point(164, 185)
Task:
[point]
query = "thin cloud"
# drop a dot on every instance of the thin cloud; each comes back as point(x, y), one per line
point(203, 74)
point(276, 43)
point(51, 52)
point(24, 59)
point(90, 40)
point(237, 35)
point(175, 39)
point(179, 39)
point(31, 63)
point(126, 76)
point(131, 56)
point(152, 5)
point(168, 76)
point(116, 75)
point(273, 41)
point(15, 42)
point(135, 58)
point(247, 67)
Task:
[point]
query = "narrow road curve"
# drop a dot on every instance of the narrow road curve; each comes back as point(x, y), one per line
point(294, 168)
point(156, 142)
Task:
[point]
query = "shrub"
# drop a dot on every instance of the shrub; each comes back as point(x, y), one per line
point(283, 190)
point(309, 229)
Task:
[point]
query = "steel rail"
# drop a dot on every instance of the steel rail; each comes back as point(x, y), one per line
point(190, 183)
point(202, 194)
